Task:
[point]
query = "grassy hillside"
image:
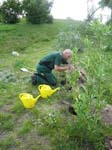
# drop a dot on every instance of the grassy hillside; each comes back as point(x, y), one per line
point(49, 125)
point(21, 128)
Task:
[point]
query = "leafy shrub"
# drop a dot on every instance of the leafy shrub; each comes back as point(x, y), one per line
point(88, 128)
point(99, 34)
point(93, 96)
point(10, 11)
point(38, 11)
point(49, 19)
point(85, 35)
point(69, 38)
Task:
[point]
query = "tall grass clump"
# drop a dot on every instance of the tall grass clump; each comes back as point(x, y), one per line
point(91, 97)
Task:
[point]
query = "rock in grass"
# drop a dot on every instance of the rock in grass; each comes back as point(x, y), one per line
point(14, 53)
point(106, 115)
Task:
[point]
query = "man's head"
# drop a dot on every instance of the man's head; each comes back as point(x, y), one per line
point(67, 53)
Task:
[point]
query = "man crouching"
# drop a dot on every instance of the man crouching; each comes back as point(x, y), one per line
point(51, 62)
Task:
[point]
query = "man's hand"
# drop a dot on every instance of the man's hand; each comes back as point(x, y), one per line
point(61, 68)
point(71, 67)
point(64, 68)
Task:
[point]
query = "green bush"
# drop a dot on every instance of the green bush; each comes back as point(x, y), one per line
point(88, 127)
point(37, 11)
point(90, 99)
point(81, 37)
point(99, 34)
point(70, 37)
point(10, 11)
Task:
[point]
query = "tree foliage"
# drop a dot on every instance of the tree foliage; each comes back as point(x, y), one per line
point(106, 3)
point(37, 11)
point(10, 11)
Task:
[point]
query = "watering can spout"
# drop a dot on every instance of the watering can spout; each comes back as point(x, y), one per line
point(37, 98)
point(55, 90)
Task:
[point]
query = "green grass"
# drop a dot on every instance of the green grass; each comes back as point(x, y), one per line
point(8, 143)
point(26, 127)
point(49, 125)
point(18, 109)
point(6, 122)
point(32, 42)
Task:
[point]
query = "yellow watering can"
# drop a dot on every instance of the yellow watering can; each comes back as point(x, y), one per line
point(46, 90)
point(28, 100)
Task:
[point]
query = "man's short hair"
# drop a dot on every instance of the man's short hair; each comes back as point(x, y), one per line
point(69, 51)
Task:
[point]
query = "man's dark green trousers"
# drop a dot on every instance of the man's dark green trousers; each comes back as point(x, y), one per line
point(45, 76)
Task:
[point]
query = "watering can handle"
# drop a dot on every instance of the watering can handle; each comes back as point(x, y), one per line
point(20, 95)
point(39, 87)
